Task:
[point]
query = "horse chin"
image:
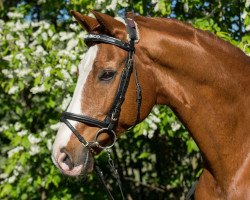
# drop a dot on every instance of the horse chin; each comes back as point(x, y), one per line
point(88, 162)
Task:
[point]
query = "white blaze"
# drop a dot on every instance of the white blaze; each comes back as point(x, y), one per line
point(64, 133)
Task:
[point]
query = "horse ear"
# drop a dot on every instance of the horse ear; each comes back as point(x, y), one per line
point(90, 24)
point(110, 25)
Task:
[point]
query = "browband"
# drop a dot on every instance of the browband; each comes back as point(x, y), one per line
point(108, 40)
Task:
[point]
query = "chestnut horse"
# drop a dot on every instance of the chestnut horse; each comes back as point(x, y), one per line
point(203, 79)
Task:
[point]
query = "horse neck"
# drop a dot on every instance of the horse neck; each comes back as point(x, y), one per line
point(206, 83)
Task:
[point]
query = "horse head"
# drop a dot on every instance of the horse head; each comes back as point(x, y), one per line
point(99, 76)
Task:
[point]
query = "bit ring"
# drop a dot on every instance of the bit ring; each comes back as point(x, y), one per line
point(111, 134)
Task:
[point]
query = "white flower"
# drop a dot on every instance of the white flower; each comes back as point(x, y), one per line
point(19, 168)
point(4, 127)
point(20, 26)
point(47, 71)
point(153, 126)
point(50, 33)
point(156, 8)
point(66, 102)
point(55, 126)
point(30, 180)
point(45, 36)
point(65, 36)
point(150, 134)
point(35, 24)
point(60, 83)
point(12, 179)
point(73, 69)
point(154, 118)
point(154, 1)
point(49, 144)
point(72, 43)
point(81, 57)
point(81, 35)
point(13, 90)
point(22, 72)
point(63, 52)
point(123, 3)
point(62, 62)
point(4, 176)
point(37, 89)
point(100, 1)
point(156, 110)
point(39, 2)
point(11, 25)
point(248, 28)
point(14, 151)
point(55, 37)
point(33, 44)
point(14, 15)
point(33, 140)
point(72, 56)
point(112, 6)
point(9, 75)
point(46, 25)
point(43, 134)
point(38, 32)
point(185, 7)
point(20, 44)
point(5, 71)
point(8, 57)
point(20, 57)
point(243, 15)
point(247, 3)
point(15, 172)
point(39, 51)
point(175, 126)
point(22, 133)
point(66, 74)
point(34, 149)
point(9, 37)
point(74, 27)
point(17, 126)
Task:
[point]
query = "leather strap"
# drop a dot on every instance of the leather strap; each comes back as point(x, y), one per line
point(108, 40)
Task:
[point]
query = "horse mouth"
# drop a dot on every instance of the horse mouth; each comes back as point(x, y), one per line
point(84, 166)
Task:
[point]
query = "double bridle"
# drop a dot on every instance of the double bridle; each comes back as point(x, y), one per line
point(109, 123)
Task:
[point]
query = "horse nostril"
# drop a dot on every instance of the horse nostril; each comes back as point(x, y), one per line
point(65, 161)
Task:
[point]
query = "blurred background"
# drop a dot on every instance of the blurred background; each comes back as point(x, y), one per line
point(40, 48)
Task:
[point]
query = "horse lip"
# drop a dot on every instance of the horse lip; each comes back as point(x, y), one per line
point(86, 167)
point(76, 171)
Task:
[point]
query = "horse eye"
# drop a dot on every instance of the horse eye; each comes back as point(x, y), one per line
point(107, 75)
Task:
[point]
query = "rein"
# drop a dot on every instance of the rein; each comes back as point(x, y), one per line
point(109, 123)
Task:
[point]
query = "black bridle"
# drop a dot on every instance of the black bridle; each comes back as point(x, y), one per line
point(109, 123)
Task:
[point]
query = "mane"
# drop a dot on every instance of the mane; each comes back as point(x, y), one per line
point(163, 24)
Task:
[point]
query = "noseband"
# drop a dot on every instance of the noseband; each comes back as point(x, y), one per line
point(109, 123)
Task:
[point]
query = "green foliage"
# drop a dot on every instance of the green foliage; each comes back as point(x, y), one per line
point(40, 48)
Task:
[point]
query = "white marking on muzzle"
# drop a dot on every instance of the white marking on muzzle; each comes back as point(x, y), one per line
point(64, 133)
